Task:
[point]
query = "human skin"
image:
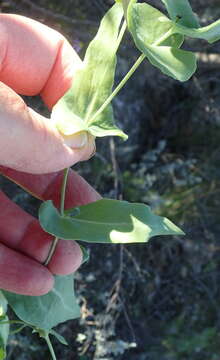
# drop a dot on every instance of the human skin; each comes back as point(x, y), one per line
point(35, 59)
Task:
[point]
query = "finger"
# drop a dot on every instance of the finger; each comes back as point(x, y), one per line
point(48, 186)
point(21, 232)
point(50, 63)
point(45, 187)
point(22, 275)
point(35, 59)
point(30, 142)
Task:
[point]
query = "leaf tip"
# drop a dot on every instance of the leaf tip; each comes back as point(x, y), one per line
point(171, 228)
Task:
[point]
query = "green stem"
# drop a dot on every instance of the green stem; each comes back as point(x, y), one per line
point(11, 322)
point(63, 191)
point(121, 34)
point(163, 37)
point(18, 330)
point(131, 71)
point(62, 207)
point(125, 4)
point(119, 87)
point(50, 346)
point(51, 251)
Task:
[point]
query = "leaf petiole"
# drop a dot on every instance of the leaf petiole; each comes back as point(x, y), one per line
point(119, 87)
point(121, 34)
point(130, 72)
point(63, 191)
point(164, 37)
point(50, 346)
point(62, 205)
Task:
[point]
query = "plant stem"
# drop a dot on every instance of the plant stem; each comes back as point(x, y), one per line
point(163, 37)
point(63, 191)
point(119, 87)
point(62, 206)
point(50, 346)
point(52, 250)
point(121, 34)
point(131, 71)
point(18, 330)
point(3, 322)
point(125, 4)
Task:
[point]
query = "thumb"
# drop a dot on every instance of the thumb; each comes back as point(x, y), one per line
point(31, 143)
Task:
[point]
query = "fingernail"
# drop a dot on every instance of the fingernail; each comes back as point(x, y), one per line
point(76, 141)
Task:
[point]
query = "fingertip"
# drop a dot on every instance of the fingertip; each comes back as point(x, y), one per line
point(42, 286)
point(66, 259)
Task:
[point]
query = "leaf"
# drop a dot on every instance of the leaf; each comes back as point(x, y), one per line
point(92, 85)
point(47, 311)
point(181, 10)
point(4, 328)
point(86, 254)
point(3, 305)
point(211, 33)
point(2, 353)
point(151, 38)
point(106, 221)
point(150, 25)
point(59, 337)
point(179, 64)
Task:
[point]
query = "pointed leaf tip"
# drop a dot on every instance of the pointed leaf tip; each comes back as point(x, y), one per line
point(106, 221)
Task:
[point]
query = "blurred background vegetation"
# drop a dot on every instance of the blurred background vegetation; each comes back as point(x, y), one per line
point(158, 301)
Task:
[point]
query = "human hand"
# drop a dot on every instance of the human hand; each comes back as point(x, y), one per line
point(35, 59)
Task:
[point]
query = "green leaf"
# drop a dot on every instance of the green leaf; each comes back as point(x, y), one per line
point(181, 11)
point(179, 64)
point(92, 84)
point(3, 305)
point(211, 33)
point(59, 337)
point(4, 328)
point(153, 36)
point(47, 311)
point(106, 221)
point(86, 254)
point(149, 24)
point(2, 353)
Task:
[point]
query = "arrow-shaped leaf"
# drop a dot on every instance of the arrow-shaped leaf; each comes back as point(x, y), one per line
point(92, 84)
point(106, 221)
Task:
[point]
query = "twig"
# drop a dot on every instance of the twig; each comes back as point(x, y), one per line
point(136, 265)
point(128, 320)
point(115, 291)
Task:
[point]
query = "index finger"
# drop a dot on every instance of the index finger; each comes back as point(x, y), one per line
point(35, 59)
